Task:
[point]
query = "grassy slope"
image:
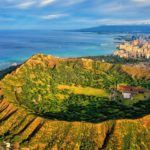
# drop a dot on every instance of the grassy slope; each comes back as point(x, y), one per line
point(32, 131)
point(137, 72)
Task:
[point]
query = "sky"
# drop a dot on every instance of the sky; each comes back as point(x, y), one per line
point(72, 14)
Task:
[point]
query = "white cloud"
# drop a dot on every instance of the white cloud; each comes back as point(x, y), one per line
point(141, 2)
point(70, 2)
point(53, 16)
point(96, 22)
point(108, 8)
point(123, 21)
point(29, 3)
point(25, 5)
point(46, 2)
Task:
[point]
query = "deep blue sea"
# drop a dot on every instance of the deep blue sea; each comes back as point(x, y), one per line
point(17, 46)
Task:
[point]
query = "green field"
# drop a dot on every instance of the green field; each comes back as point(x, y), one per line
point(84, 90)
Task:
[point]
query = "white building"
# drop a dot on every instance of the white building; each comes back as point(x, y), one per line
point(127, 95)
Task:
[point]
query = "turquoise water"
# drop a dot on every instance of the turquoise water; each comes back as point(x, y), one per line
point(17, 46)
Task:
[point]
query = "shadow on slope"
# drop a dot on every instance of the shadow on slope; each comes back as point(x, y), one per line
point(99, 111)
point(8, 70)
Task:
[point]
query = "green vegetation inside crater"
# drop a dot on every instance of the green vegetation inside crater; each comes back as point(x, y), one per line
point(35, 86)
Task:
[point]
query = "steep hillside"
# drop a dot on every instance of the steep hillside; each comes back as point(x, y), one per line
point(20, 126)
point(139, 71)
point(56, 103)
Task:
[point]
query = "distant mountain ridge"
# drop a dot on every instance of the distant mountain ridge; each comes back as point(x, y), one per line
point(119, 29)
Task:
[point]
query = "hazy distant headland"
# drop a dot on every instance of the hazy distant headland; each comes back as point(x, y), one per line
point(131, 29)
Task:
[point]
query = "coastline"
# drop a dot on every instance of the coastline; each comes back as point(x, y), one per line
point(60, 44)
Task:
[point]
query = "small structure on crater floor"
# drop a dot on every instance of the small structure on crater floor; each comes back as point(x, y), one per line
point(129, 91)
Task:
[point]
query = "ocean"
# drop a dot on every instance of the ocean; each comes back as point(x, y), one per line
point(16, 46)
